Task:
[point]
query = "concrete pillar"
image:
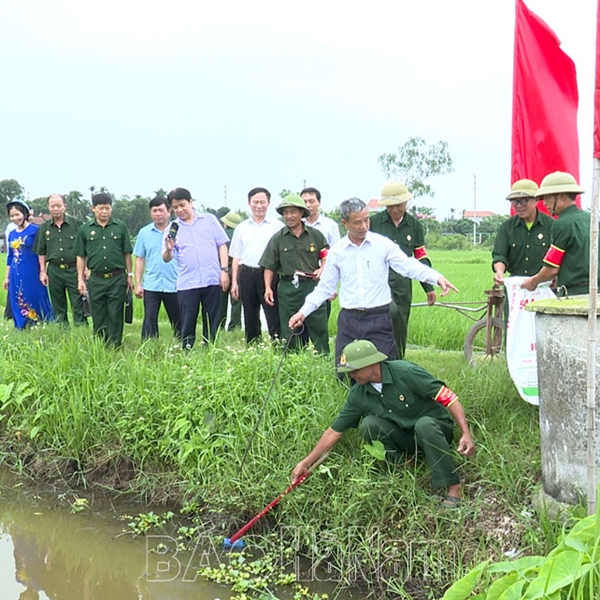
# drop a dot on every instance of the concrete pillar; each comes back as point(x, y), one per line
point(561, 339)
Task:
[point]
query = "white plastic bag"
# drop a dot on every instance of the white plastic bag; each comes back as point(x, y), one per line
point(520, 336)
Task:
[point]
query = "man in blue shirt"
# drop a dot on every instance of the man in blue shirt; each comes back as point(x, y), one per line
point(202, 260)
point(159, 278)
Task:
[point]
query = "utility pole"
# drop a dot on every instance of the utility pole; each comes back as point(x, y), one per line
point(474, 210)
point(225, 194)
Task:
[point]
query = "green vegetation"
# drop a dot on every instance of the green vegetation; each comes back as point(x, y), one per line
point(173, 426)
point(416, 162)
point(571, 570)
point(445, 328)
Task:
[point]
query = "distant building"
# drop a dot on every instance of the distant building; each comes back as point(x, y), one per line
point(39, 219)
point(477, 215)
point(373, 205)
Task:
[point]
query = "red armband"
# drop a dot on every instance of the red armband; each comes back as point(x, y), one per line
point(554, 256)
point(445, 396)
point(323, 254)
point(420, 253)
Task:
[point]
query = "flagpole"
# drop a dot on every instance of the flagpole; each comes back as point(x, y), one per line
point(593, 298)
point(591, 345)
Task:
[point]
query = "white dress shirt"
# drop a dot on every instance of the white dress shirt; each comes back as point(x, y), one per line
point(362, 272)
point(251, 238)
point(328, 227)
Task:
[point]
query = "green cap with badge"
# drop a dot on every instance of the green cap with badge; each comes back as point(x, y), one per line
point(293, 201)
point(359, 354)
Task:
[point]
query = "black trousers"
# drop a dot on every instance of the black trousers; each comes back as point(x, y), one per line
point(374, 325)
point(152, 302)
point(189, 308)
point(252, 290)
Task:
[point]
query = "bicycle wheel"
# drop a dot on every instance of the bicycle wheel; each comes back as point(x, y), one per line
point(475, 347)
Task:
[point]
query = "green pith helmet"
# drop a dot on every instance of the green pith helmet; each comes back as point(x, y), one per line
point(231, 219)
point(394, 193)
point(524, 188)
point(295, 201)
point(558, 183)
point(359, 354)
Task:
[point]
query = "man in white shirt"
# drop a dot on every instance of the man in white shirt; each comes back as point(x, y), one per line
point(248, 243)
point(328, 227)
point(360, 264)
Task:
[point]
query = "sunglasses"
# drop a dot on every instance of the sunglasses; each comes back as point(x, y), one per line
point(520, 201)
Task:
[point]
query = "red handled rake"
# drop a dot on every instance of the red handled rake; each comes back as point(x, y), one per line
point(234, 542)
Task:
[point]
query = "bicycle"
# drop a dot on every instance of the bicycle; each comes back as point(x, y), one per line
point(485, 339)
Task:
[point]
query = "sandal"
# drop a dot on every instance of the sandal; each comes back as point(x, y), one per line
point(450, 502)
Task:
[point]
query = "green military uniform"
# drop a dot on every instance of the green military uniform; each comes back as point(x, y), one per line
point(520, 248)
point(285, 254)
point(235, 320)
point(570, 250)
point(410, 237)
point(405, 417)
point(105, 249)
point(56, 244)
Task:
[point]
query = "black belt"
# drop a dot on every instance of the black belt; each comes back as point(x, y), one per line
point(108, 275)
point(70, 265)
point(291, 278)
point(252, 269)
point(376, 310)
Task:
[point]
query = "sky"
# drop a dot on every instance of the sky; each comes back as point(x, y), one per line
point(220, 97)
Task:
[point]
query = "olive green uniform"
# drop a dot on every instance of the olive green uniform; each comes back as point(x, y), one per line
point(522, 249)
point(285, 254)
point(406, 417)
point(410, 237)
point(570, 250)
point(235, 320)
point(105, 249)
point(56, 244)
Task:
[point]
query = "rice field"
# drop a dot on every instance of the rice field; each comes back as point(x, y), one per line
point(445, 328)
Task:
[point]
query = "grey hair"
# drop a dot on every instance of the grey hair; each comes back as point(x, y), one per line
point(351, 205)
point(56, 196)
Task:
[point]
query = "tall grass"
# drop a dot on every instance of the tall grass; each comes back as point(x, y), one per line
point(173, 425)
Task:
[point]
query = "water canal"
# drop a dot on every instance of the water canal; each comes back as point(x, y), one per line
point(56, 547)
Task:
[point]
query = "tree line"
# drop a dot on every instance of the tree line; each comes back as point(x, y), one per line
point(134, 212)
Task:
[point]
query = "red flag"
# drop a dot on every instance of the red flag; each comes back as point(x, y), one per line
point(545, 98)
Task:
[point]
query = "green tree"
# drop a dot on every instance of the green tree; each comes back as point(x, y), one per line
point(422, 211)
point(134, 212)
point(490, 225)
point(460, 226)
point(39, 206)
point(10, 189)
point(430, 226)
point(416, 162)
point(285, 192)
point(77, 206)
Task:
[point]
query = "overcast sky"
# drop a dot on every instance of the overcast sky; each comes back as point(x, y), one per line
point(140, 94)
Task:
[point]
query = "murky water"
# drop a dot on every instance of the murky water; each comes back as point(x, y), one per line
point(49, 553)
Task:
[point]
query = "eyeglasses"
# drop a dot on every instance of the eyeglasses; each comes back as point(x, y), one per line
point(520, 201)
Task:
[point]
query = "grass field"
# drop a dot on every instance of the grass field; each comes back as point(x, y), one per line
point(174, 426)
